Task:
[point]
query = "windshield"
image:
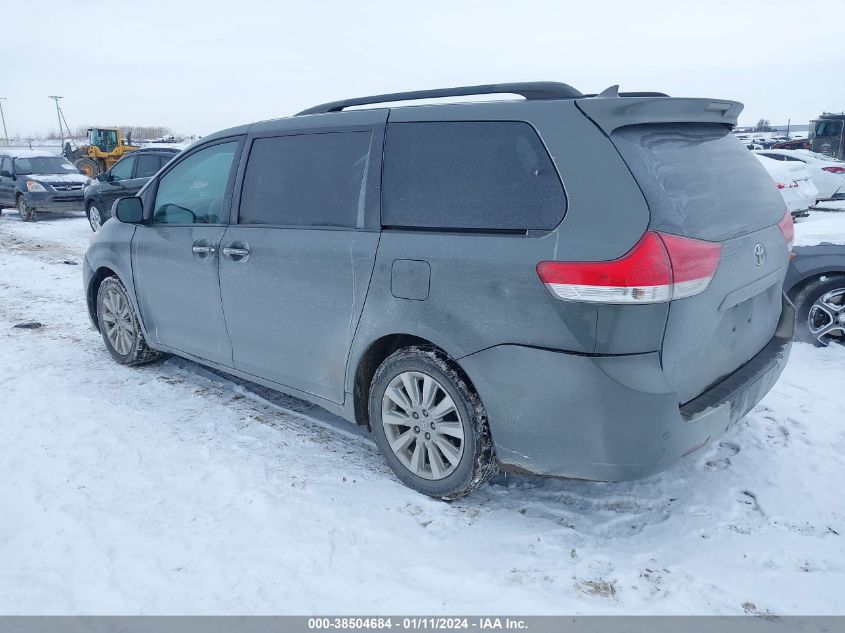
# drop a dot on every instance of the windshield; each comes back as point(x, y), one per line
point(829, 128)
point(43, 165)
point(106, 140)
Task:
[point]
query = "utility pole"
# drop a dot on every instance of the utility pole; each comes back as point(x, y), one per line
point(3, 117)
point(59, 117)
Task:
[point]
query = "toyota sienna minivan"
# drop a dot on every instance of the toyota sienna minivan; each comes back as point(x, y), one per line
point(570, 285)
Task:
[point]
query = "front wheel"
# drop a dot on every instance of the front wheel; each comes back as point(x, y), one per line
point(119, 325)
point(95, 218)
point(430, 425)
point(820, 311)
point(87, 166)
point(26, 212)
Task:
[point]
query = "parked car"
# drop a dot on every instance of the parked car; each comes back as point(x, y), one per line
point(815, 283)
point(562, 285)
point(827, 174)
point(793, 182)
point(35, 181)
point(125, 178)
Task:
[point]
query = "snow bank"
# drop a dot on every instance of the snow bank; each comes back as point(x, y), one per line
point(820, 227)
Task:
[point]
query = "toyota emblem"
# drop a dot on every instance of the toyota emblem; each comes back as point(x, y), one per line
point(759, 254)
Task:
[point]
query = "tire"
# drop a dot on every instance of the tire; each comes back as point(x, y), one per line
point(26, 212)
point(87, 166)
point(820, 311)
point(124, 338)
point(464, 463)
point(95, 217)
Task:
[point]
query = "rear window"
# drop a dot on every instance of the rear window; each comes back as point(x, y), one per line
point(148, 164)
point(699, 180)
point(481, 175)
point(305, 180)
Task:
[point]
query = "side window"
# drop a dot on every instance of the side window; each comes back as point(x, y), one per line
point(123, 169)
point(305, 180)
point(148, 164)
point(483, 175)
point(192, 192)
point(5, 164)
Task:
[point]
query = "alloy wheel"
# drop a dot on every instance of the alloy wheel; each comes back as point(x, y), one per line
point(117, 320)
point(826, 318)
point(94, 218)
point(422, 425)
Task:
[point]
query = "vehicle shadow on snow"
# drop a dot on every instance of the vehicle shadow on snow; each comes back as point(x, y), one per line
point(43, 216)
point(608, 510)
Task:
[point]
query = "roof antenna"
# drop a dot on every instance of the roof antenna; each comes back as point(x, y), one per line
point(609, 93)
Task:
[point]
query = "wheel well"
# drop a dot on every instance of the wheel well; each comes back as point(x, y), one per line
point(93, 288)
point(375, 355)
point(798, 287)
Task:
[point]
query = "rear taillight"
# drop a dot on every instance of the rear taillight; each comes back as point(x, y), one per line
point(834, 170)
point(787, 227)
point(660, 267)
point(694, 263)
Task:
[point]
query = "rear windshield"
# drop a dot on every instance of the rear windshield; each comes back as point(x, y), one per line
point(699, 180)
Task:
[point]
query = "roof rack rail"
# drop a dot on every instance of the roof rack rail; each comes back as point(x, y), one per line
point(531, 90)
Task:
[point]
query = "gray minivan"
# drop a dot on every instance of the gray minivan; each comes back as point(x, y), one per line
point(571, 285)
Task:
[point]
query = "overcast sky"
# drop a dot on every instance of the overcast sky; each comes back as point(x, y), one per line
point(199, 66)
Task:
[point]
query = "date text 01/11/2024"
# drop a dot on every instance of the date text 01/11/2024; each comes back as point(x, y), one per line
point(417, 623)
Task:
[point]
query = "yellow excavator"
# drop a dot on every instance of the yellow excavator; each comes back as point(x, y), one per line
point(105, 147)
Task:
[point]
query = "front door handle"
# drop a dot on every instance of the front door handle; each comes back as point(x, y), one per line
point(237, 251)
point(203, 249)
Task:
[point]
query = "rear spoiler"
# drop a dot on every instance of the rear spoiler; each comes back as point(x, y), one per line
point(610, 114)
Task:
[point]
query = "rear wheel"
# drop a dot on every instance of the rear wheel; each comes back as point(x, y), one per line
point(119, 325)
point(820, 311)
point(430, 425)
point(26, 212)
point(95, 219)
point(87, 166)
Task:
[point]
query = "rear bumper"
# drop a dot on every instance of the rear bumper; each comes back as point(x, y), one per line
point(609, 418)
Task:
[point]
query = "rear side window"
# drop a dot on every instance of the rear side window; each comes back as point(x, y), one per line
point(305, 180)
point(482, 175)
point(699, 180)
point(148, 164)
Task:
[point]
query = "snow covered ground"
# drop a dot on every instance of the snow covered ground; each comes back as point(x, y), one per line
point(170, 489)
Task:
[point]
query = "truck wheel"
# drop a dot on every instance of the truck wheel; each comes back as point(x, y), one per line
point(430, 425)
point(87, 166)
point(26, 212)
point(820, 311)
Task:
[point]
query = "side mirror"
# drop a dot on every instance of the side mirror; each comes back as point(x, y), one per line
point(129, 210)
point(103, 177)
point(6, 173)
